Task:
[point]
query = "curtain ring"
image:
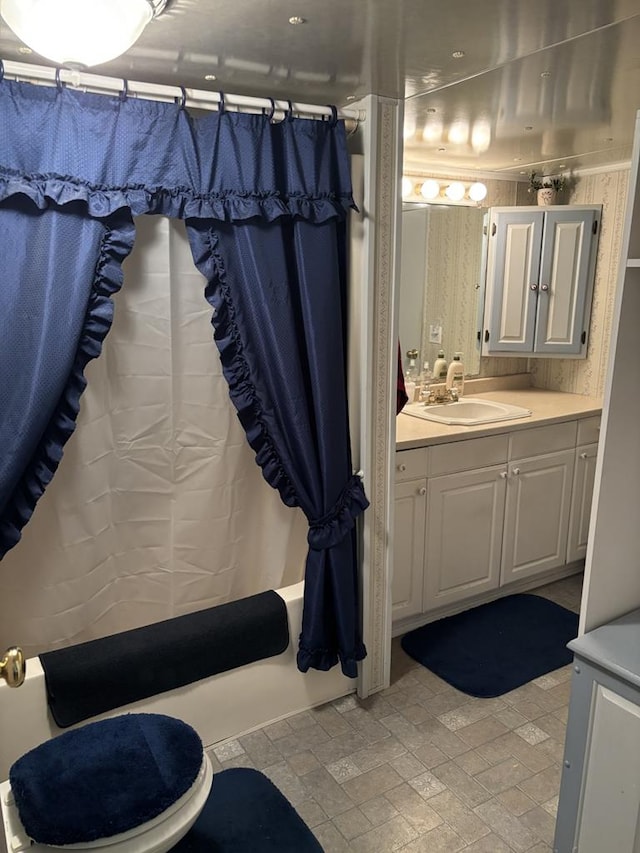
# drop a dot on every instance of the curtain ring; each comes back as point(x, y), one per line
point(58, 80)
point(1, 71)
point(221, 106)
point(125, 90)
point(289, 113)
point(183, 98)
point(272, 111)
point(334, 115)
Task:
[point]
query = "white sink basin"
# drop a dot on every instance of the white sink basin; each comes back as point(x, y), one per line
point(469, 411)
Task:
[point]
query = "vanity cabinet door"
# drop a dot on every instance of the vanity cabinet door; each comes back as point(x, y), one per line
point(583, 480)
point(540, 272)
point(537, 515)
point(513, 270)
point(566, 276)
point(465, 514)
point(408, 548)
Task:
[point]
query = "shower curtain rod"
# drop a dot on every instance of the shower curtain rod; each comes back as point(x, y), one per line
point(197, 98)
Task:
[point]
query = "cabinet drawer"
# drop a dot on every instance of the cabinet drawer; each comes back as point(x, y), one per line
point(411, 464)
point(544, 439)
point(589, 430)
point(469, 454)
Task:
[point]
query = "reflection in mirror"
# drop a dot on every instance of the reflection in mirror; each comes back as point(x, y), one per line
point(442, 282)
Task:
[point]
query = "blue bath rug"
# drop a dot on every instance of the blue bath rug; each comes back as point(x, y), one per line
point(246, 813)
point(494, 648)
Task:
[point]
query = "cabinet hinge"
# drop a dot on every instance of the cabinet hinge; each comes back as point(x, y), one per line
point(479, 334)
point(486, 335)
point(583, 337)
point(484, 230)
point(595, 226)
point(493, 230)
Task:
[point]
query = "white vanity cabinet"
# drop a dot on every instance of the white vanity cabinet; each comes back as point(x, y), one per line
point(465, 519)
point(408, 536)
point(539, 285)
point(540, 479)
point(476, 515)
point(584, 473)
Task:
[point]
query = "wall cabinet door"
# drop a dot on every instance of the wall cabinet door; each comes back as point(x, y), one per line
point(465, 515)
point(408, 548)
point(537, 515)
point(540, 281)
point(579, 517)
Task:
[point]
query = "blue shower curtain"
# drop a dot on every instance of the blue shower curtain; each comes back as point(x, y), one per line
point(265, 207)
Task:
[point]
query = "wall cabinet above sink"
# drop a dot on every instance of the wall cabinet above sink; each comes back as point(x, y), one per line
point(539, 286)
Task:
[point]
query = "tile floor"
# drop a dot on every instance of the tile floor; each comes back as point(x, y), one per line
point(422, 766)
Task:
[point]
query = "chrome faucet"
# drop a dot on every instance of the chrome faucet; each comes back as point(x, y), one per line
point(446, 395)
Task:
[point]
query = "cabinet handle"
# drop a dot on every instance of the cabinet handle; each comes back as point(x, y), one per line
point(503, 475)
point(402, 467)
point(533, 287)
point(544, 287)
point(516, 471)
point(422, 490)
point(583, 456)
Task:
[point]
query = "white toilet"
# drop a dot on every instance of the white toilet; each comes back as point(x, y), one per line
point(53, 774)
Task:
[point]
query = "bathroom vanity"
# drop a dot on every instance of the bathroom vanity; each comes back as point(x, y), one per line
point(482, 511)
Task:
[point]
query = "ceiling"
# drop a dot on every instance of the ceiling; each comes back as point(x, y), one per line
point(545, 84)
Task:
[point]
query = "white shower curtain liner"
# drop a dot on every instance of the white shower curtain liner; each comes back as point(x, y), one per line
point(158, 507)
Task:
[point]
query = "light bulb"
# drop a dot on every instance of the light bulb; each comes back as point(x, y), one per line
point(455, 191)
point(407, 187)
point(477, 192)
point(430, 189)
point(79, 32)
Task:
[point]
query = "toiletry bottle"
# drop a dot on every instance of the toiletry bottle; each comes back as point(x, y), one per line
point(411, 376)
point(425, 382)
point(455, 374)
point(440, 368)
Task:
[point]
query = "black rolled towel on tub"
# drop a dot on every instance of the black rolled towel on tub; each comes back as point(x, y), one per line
point(100, 675)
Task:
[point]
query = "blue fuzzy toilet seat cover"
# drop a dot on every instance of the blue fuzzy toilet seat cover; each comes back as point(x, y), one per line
point(104, 778)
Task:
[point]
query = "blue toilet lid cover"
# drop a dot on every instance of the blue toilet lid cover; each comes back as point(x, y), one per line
point(104, 778)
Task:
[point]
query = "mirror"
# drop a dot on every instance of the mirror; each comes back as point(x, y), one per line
point(442, 268)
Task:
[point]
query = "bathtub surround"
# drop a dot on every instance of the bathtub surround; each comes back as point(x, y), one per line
point(281, 237)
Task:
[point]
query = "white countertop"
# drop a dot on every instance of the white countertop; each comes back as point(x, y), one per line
point(547, 407)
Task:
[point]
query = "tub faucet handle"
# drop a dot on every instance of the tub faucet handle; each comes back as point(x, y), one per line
point(13, 666)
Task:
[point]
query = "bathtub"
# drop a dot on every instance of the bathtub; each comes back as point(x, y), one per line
point(222, 706)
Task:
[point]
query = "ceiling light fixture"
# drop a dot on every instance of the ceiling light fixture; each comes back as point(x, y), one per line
point(295, 20)
point(458, 54)
point(210, 77)
point(477, 191)
point(79, 32)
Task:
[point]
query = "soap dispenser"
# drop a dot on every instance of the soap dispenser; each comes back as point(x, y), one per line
point(411, 376)
point(455, 375)
point(440, 367)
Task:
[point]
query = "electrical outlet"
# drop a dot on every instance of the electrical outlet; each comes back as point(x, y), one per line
point(435, 334)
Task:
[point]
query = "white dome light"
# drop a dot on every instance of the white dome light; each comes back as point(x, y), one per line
point(477, 192)
point(481, 136)
point(455, 191)
point(407, 187)
point(79, 32)
point(430, 189)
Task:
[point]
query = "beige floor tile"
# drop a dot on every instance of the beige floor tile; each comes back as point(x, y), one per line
point(303, 762)
point(371, 784)
point(287, 782)
point(352, 823)
point(333, 749)
point(260, 749)
point(331, 721)
point(540, 823)
point(414, 808)
point(442, 839)
point(427, 785)
point(377, 754)
point(430, 755)
point(503, 776)
point(489, 844)
point(407, 766)
point(515, 801)
point(482, 731)
point(542, 786)
point(459, 817)
point(378, 810)
point(323, 788)
point(331, 839)
point(462, 785)
point(471, 762)
point(504, 824)
point(311, 813)
point(386, 838)
point(531, 733)
point(343, 769)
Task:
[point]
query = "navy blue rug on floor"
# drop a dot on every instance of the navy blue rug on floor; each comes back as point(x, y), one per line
point(494, 648)
point(246, 813)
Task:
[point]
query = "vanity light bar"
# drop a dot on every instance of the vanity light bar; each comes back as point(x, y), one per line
point(443, 191)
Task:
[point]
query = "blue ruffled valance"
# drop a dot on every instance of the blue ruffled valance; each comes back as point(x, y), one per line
point(61, 145)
